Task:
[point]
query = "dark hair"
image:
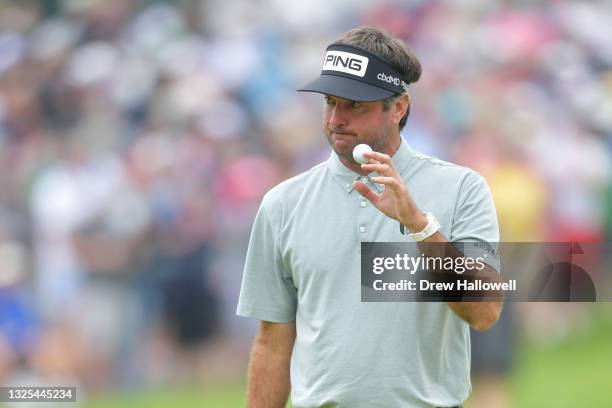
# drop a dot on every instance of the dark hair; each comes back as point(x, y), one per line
point(390, 49)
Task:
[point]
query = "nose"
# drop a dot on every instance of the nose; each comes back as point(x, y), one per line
point(337, 118)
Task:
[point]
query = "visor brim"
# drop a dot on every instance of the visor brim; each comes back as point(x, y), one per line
point(346, 88)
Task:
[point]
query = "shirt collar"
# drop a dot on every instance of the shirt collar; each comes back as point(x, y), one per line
point(345, 176)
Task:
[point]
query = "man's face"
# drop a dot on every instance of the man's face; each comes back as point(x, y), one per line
point(348, 123)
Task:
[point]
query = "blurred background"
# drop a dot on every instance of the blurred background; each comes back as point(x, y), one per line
point(138, 137)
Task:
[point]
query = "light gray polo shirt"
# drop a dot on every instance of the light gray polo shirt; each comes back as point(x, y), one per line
point(303, 263)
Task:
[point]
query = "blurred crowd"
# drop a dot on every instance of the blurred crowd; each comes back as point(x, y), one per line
point(138, 137)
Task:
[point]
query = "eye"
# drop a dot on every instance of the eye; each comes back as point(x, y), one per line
point(355, 104)
point(329, 101)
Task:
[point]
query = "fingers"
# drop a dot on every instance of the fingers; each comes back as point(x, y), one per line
point(366, 192)
point(380, 157)
point(382, 169)
point(392, 182)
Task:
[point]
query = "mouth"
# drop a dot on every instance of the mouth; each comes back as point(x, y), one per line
point(343, 136)
point(344, 143)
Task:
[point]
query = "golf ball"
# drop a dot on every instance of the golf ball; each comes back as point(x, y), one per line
point(358, 152)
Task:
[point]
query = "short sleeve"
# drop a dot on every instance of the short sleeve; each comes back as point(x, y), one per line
point(475, 228)
point(267, 291)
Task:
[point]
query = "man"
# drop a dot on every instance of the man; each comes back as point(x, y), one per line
point(302, 272)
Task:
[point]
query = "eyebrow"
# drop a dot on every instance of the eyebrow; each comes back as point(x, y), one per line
point(343, 99)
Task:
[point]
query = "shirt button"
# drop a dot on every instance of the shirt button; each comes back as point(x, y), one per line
point(362, 204)
point(348, 185)
point(364, 180)
point(362, 229)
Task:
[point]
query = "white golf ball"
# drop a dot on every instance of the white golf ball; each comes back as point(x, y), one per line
point(358, 152)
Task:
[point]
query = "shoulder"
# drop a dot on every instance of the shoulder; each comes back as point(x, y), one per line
point(286, 193)
point(442, 172)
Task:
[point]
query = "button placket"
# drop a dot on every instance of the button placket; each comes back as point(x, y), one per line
point(363, 221)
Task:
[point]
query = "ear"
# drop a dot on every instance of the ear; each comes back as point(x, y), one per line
point(400, 107)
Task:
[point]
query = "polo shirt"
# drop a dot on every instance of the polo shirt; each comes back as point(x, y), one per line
point(303, 264)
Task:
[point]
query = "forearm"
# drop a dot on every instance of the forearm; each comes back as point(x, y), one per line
point(480, 315)
point(268, 376)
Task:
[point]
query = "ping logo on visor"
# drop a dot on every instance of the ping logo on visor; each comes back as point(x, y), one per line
point(354, 73)
point(345, 62)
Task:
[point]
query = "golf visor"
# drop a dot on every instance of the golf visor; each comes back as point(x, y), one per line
point(353, 73)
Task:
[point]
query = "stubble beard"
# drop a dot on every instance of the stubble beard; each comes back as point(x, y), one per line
point(379, 145)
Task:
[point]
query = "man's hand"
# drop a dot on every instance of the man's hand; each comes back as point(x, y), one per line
point(395, 201)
